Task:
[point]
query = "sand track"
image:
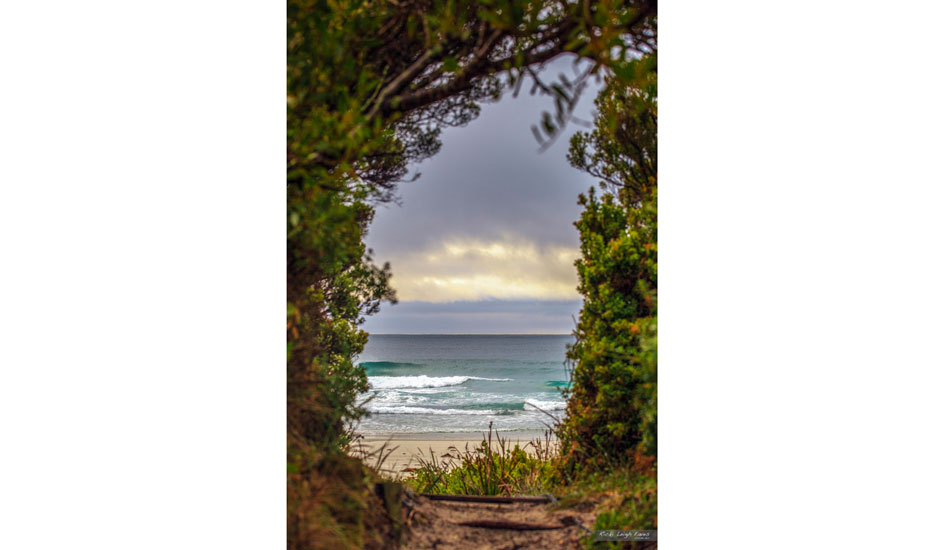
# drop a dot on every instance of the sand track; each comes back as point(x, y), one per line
point(435, 525)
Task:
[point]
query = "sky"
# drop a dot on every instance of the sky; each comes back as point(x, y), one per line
point(483, 241)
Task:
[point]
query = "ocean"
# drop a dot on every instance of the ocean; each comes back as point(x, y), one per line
point(459, 383)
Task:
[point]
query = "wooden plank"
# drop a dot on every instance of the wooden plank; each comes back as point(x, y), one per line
point(494, 500)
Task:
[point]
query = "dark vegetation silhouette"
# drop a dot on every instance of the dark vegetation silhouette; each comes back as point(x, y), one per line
point(369, 86)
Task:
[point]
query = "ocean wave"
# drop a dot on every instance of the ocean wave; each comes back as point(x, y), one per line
point(425, 410)
point(423, 381)
point(497, 406)
point(423, 391)
point(393, 397)
point(388, 364)
point(389, 367)
point(534, 404)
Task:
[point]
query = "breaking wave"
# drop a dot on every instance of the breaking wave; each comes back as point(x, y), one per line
point(425, 410)
point(534, 404)
point(423, 381)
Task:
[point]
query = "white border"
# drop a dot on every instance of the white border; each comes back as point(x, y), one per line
point(142, 297)
point(803, 275)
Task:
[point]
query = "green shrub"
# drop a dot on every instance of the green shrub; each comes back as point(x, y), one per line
point(610, 421)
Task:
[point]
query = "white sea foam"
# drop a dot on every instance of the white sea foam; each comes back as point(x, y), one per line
point(393, 397)
point(425, 410)
point(534, 404)
point(423, 381)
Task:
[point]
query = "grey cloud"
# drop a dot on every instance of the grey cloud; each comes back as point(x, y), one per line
point(489, 182)
point(476, 317)
point(488, 187)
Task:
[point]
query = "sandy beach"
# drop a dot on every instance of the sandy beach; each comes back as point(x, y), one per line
point(408, 447)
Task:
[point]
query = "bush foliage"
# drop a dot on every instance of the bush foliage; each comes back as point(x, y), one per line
point(611, 413)
point(611, 417)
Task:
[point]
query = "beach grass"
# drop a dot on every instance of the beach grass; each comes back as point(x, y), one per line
point(493, 466)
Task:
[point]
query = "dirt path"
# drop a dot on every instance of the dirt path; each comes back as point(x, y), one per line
point(435, 525)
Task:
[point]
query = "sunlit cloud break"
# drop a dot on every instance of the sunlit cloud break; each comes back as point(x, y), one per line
point(475, 270)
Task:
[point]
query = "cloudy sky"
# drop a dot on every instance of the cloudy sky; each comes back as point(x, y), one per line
point(483, 241)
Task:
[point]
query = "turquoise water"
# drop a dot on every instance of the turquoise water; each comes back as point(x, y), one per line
point(460, 383)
